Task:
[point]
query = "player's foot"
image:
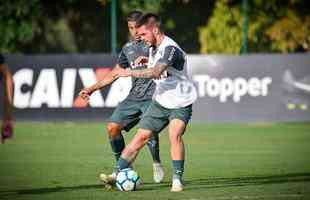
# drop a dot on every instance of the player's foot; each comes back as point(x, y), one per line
point(177, 185)
point(158, 173)
point(108, 179)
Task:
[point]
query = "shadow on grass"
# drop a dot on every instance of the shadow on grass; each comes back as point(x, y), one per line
point(246, 181)
point(50, 190)
point(190, 184)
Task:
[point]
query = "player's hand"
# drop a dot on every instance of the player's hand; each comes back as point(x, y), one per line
point(164, 75)
point(6, 130)
point(85, 94)
point(141, 60)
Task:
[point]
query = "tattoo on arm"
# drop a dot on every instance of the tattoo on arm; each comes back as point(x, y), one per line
point(107, 80)
point(153, 72)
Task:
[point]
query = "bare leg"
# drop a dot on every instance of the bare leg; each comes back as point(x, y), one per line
point(177, 151)
point(128, 153)
point(116, 138)
point(176, 130)
point(132, 149)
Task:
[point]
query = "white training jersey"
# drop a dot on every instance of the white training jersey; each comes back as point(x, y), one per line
point(175, 89)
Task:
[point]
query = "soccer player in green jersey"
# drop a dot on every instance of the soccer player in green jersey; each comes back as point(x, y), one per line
point(129, 112)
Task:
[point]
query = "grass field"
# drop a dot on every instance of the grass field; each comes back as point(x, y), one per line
point(223, 161)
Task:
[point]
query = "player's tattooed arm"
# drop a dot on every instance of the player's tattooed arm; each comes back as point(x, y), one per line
point(107, 80)
point(154, 72)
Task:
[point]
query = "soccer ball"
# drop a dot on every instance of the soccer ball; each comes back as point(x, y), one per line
point(128, 180)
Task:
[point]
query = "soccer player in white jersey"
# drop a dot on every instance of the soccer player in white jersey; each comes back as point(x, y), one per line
point(172, 101)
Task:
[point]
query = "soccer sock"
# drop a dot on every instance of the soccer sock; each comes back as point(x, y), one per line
point(117, 144)
point(178, 168)
point(153, 145)
point(122, 164)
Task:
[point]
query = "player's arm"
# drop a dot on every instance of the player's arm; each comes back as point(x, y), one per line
point(169, 58)
point(154, 72)
point(122, 62)
point(107, 80)
point(8, 91)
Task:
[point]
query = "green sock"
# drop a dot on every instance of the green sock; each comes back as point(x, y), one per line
point(178, 168)
point(153, 145)
point(122, 164)
point(117, 144)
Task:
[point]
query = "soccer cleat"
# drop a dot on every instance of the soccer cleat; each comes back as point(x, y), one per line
point(108, 180)
point(158, 173)
point(177, 185)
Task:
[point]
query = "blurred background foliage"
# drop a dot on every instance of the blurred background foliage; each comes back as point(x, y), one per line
point(274, 26)
point(209, 26)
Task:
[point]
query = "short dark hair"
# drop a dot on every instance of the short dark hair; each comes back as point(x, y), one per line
point(149, 18)
point(134, 15)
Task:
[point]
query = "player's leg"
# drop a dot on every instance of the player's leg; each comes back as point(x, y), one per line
point(124, 117)
point(153, 146)
point(152, 122)
point(158, 170)
point(117, 141)
point(131, 151)
point(128, 155)
point(177, 152)
point(177, 125)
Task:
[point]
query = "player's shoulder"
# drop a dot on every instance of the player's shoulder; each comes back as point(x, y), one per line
point(170, 47)
point(126, 46)
point(133, 44)
point(169, 44)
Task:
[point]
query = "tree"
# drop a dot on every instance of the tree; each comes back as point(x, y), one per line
point(290, 33)
point(223, 31)
point(274, 26)
point(17, 19)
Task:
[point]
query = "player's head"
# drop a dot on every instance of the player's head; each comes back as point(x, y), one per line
point(148, 27)
point(132, 18)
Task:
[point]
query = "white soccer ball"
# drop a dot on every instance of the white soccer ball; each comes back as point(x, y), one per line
point(128, 180)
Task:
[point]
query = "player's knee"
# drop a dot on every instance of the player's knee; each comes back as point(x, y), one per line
point(113, 129)
point(175, 137)
point(144, 136)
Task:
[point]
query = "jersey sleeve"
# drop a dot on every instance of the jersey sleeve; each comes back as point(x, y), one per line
point(173, 57)
point(122, 60)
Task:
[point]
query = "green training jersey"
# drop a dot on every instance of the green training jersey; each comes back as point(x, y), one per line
point(142, 89)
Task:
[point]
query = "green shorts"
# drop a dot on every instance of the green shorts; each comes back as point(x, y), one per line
point(158, 117)
point(128, 113)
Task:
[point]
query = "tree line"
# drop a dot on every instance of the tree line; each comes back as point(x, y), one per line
point(209, 26)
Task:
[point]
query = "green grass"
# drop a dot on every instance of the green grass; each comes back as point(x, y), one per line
point(223, 161)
